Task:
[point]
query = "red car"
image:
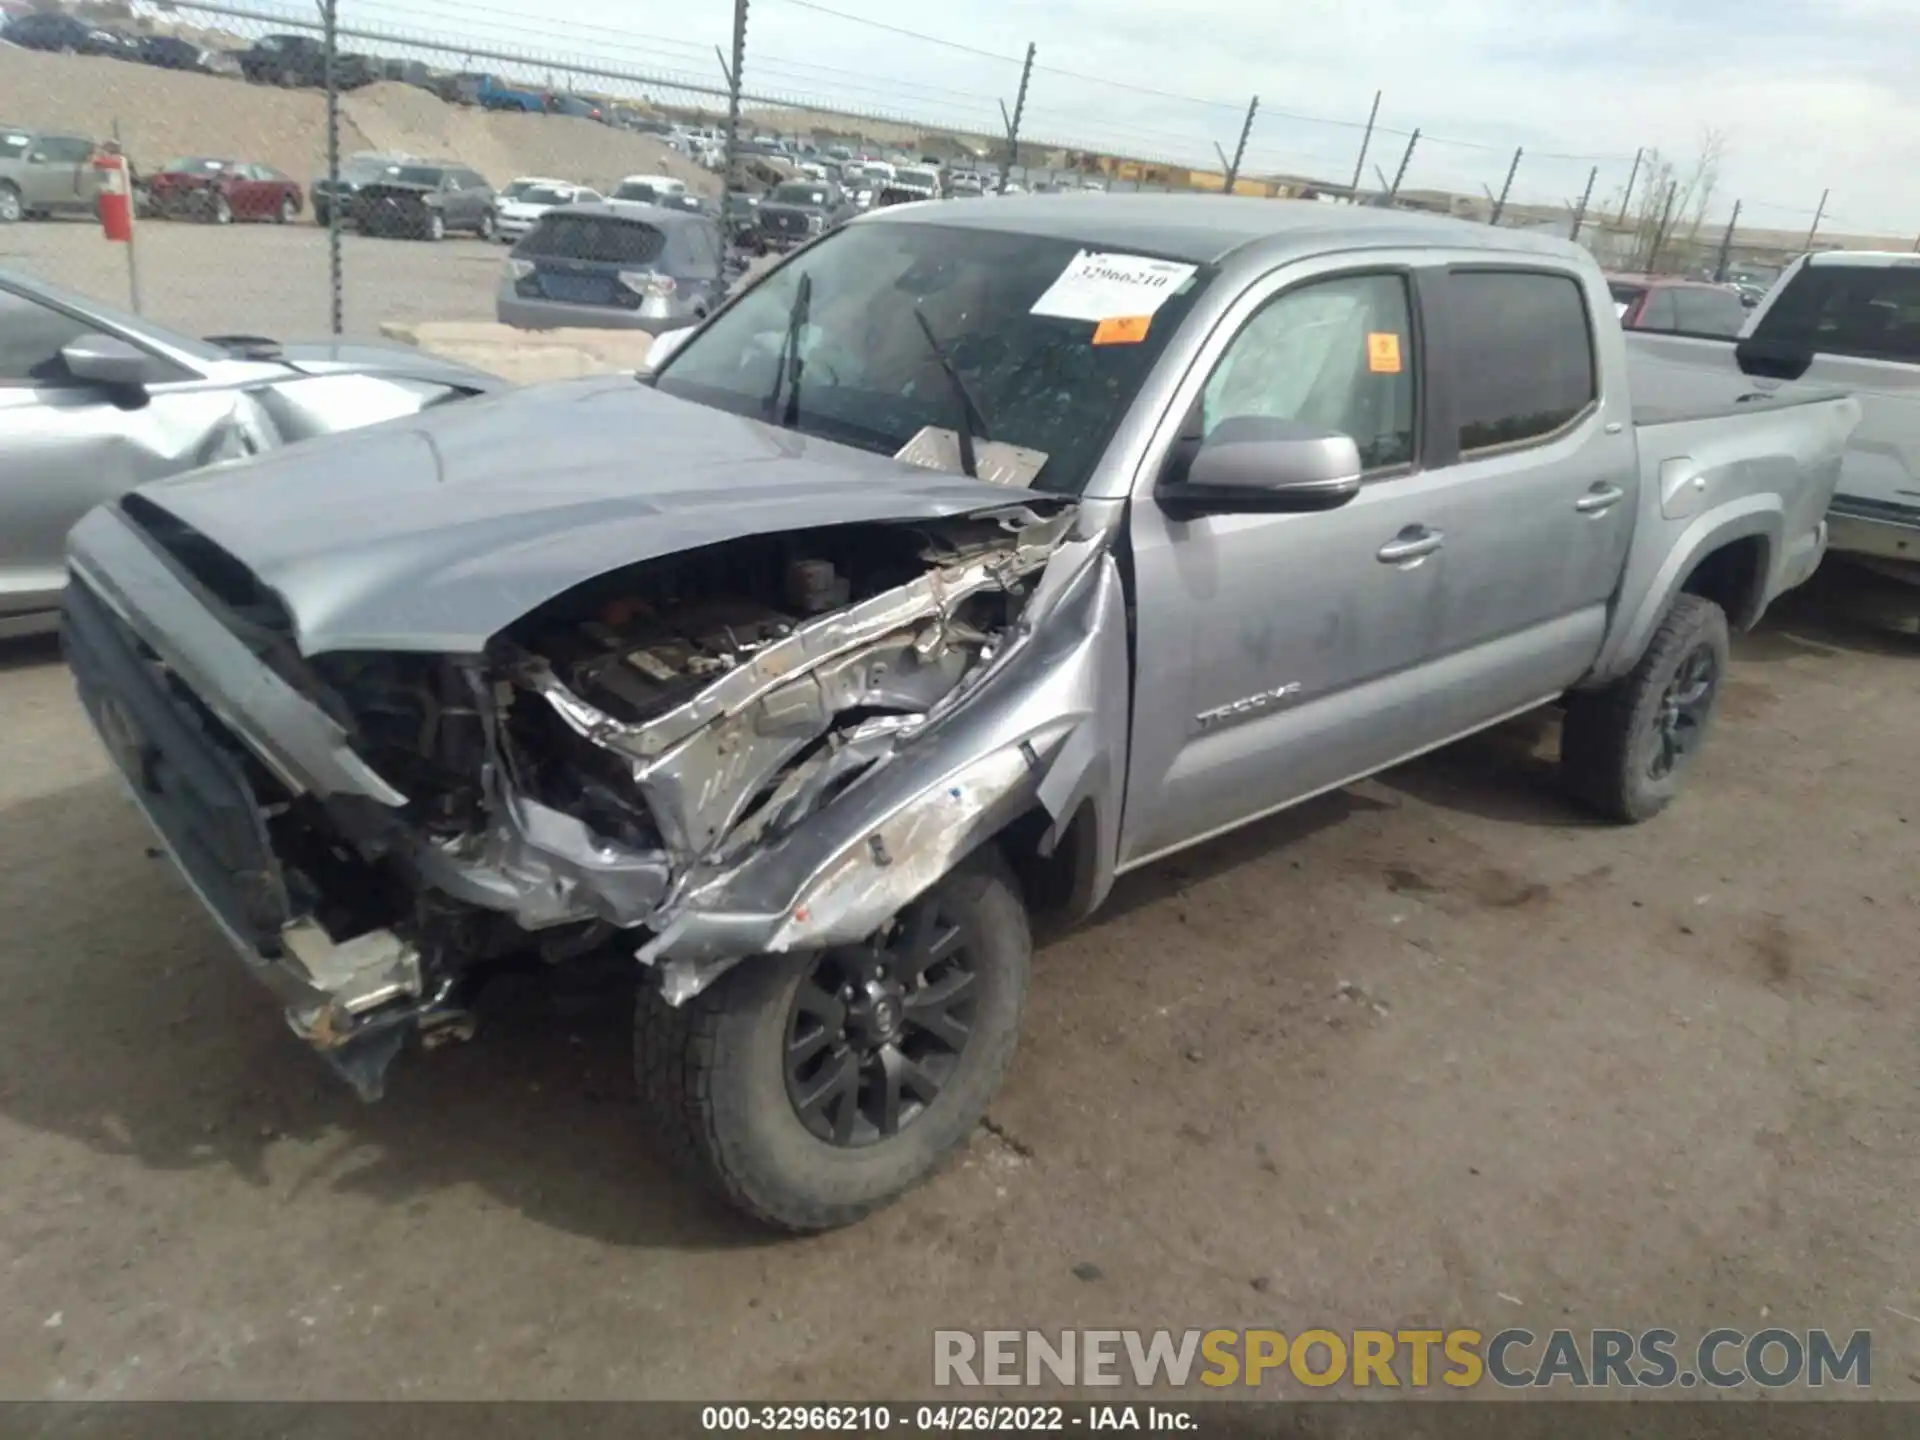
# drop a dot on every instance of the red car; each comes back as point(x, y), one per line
point(1677, 307)
point(222, 191)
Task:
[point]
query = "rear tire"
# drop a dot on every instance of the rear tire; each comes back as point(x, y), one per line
point(436, 226)
point(1625, 749)
point(486, 225)
point(716, 1074)
point(12, 212)
point(222, 212)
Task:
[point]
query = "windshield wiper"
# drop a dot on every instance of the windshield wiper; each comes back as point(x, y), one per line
point(973, 421)
point(787, 373)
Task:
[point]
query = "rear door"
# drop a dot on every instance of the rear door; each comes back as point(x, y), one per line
point(1534, 477)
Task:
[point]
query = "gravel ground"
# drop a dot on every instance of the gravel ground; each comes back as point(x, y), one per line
point(1434, 1049)
point(262, 278)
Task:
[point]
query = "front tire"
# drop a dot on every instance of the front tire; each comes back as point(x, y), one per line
point(486, 225)
point(436, 226)
point(222, 212)
point(12, 212)
point(1625, 749)
point(289, 208)
point(811, 1089)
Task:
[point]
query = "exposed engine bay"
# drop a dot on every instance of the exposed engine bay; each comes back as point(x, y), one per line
point(636, 737)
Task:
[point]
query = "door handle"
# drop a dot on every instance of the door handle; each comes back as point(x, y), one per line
point(1600, 499)
point(1416, 542)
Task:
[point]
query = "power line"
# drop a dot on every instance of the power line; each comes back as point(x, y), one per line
point(898, 30)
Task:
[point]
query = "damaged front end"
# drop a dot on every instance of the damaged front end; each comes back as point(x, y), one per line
point(771, 743)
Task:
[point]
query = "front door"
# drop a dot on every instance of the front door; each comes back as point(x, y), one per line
point(1278, 655)
point(66, 447)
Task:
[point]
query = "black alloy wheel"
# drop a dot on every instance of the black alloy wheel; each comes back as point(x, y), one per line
point(1680, 721)
point(874, 1032)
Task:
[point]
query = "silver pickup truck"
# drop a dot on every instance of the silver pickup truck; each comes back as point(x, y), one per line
point(978, 554)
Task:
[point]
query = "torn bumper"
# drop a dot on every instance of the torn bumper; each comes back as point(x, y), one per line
point(187, 773)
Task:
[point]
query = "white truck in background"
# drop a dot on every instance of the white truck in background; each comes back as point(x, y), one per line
point(1847, 321)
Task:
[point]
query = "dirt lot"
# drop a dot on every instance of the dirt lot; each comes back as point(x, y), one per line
point(1432, 1050)
point(263, 279)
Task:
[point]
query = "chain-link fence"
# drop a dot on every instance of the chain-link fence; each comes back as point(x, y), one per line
point(301, 169)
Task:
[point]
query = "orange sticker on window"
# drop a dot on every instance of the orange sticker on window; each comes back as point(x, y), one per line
point(1122, 330)
point(1383, 353)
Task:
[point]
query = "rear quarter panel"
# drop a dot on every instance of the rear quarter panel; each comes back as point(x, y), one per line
point(1765, 476)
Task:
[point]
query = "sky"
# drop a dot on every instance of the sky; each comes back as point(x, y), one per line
point(1807, 95)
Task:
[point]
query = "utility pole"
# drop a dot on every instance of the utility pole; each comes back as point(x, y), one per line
point(1405, 157)
point(729, 180)
point(1626, 200)
point(1586, 197)
point(1660, 230)
point(1240, 150)
point(1818, 216)
point(1013, 120)
point(330, 37)
point(1500, 205)
point(1726, 246)
point(1360, 165)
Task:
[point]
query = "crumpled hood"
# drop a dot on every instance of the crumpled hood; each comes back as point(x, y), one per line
point(435, 532)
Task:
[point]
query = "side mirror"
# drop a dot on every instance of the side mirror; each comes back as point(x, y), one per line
point(109, 361)
point(1772, 359)
point(664, 344)
point(1252, 464)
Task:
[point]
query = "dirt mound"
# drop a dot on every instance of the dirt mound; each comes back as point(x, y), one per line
point(503, 144)
point(164, 113)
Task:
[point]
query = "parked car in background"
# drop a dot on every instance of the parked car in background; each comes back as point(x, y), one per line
point(94, 402)
point(614, 265)
point(1676, 307)
point(301, 60)
point(1840, 320)
point(740, 221)
point(514, 217)
point(645, 189)
point(170, 52)
point(575, 105)
point(45, 172)
point(492, 93)
point(425, 201)
point(909, 184)
point(359, 169)
point(222, 191)
point(54, 30)
point(797, 210)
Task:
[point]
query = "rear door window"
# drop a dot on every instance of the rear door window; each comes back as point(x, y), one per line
point(1869, 312)
point(1659, 312)
point(1521, 363)
point(564, 236)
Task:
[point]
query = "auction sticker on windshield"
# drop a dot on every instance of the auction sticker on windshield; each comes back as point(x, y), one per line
point(1097, 286)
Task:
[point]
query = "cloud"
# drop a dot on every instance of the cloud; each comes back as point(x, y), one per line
point(1810, 94)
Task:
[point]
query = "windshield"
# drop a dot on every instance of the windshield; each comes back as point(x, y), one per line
point(12, 145)
point(414, 175)
point(925, 179)
point(870, 377)
point(791, 194)
point(188, 164)
point(543, 195)
point(629, 190)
